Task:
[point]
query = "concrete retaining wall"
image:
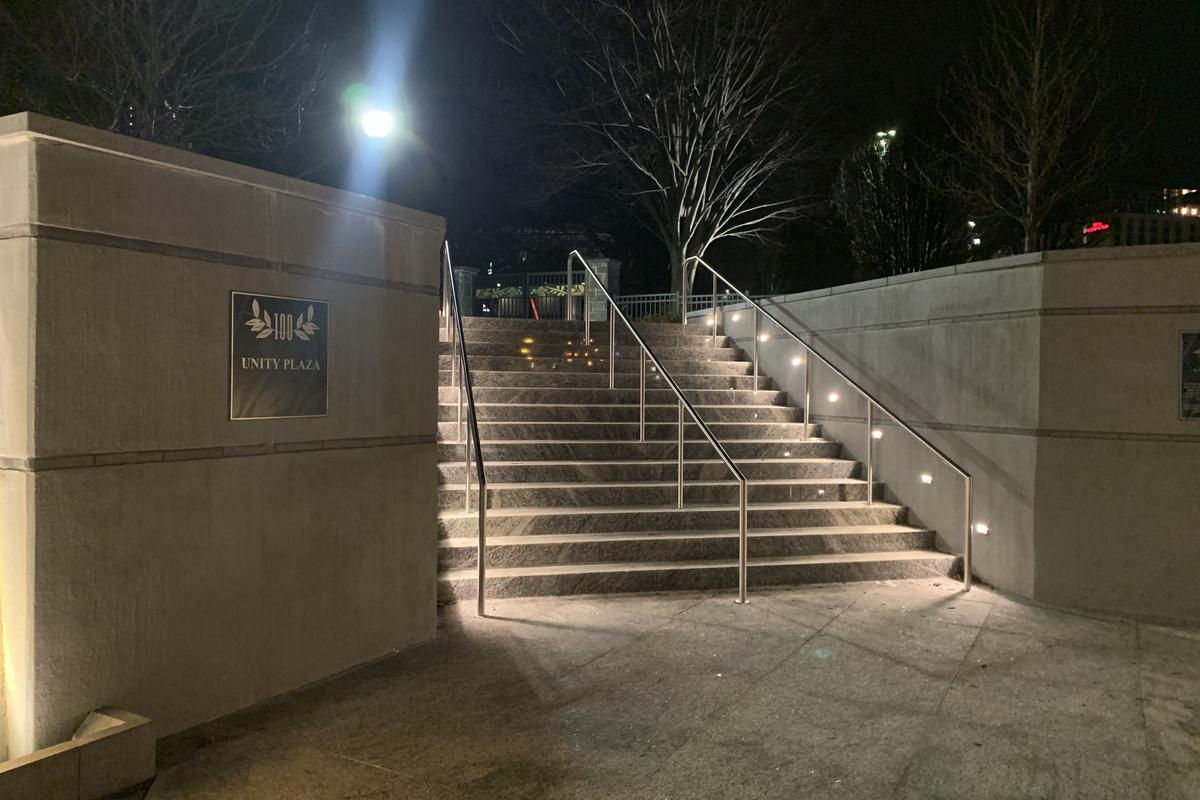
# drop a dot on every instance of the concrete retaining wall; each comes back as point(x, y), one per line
point(1054, 379)
point(157, 556)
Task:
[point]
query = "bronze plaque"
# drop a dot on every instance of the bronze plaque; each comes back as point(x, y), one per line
point(278, 357)
point(1189, 375)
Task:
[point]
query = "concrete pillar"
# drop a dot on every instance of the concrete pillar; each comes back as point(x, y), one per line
point(464, 284)
point(609, 271)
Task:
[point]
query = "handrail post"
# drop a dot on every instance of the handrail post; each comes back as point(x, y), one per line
point(612, 348)
point(807, 390)
point(679, 455)
point(870, 453)
point(587, 313)
point(969, 506)
point(714, 310)
point(481, 557)
point(642, 399)
point(756, 322)
point(683, 296)
point(570, 313)
point(467, 469)
point(743, 542)
point(459, 433)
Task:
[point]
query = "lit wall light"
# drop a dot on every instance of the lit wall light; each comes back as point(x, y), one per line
point(762, 337)
point(736, 317)
point(797, 361)
point(833, 397)
point(982, 528)
point(377, 123)
point(711, 321)
point(926, 477)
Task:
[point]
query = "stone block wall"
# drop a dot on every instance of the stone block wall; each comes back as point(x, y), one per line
point(1053, 379)
point(154, 554)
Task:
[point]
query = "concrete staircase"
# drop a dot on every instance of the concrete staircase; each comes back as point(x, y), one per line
point(578, 505)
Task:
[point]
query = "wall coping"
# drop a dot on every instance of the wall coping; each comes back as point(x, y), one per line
point(27, 124)
point(1023, 261)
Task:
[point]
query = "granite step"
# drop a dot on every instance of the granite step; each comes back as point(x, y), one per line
point(690, 366)
point(603, 395)
point(596, 378)
point(599, 519)
point(584, 548)
point(599, 339)
point(626, 431)
point(551, 412)
point(499, 472)
point(604, 577)
point(625, 350)
point(600, 450)
point(655, 493)
point(546, 326)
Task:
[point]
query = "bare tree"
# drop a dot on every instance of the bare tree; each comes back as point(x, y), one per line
point(211, 75)
point(896, 222)
point(695, 113)
point(1023, 114)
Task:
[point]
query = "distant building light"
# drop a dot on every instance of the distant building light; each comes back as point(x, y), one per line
point(971, 223)
point(976, 241)
point(1096, 227)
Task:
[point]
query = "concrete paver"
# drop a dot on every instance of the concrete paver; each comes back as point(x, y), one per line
point(897, 689)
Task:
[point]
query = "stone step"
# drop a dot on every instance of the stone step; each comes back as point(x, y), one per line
point(584, 519)
point(625, 431)
point(599, 450)
point(596, 378)
point(654, 493)
point(607, 577)
point(691, 366)
point(585, 548)
point(575, 396)
point(549, 412)
point(664, 470)
point(534, 327)
point(626, 350)
point(655, 339)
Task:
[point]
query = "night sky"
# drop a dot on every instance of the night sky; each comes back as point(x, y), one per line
point(885, 63)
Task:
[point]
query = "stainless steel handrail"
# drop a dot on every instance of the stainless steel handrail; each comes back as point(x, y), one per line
point(458, 341)
point(872, 403)
point(684, 403)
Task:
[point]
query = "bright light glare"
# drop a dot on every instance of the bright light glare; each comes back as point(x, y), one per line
point(378, 124)
point(981, 527)
point(833, 397)
point(762, 337)
point(797, 361)
point(926, 477)
point(877, 434)
point(736, 317)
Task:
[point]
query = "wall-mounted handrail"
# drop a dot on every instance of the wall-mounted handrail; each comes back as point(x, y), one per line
point(684, 404)
point(458, 342)
point(872, 403)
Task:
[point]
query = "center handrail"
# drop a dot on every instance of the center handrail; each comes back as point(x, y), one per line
point(684, 403)
point(458, 340)
point(872, 401)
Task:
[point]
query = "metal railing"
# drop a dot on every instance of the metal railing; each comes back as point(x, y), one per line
point(872, 402)
point(662, 304)
point(459, 366)
point(613, 314)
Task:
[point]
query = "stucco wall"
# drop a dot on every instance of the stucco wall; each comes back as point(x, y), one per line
point(1051, 378)
point(168, 560)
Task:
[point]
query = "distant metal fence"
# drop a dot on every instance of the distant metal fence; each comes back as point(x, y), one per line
point(531, 295)
point(543, 295)
point(665, 305)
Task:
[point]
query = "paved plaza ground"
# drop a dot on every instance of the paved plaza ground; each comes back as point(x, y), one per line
point(899, 690)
